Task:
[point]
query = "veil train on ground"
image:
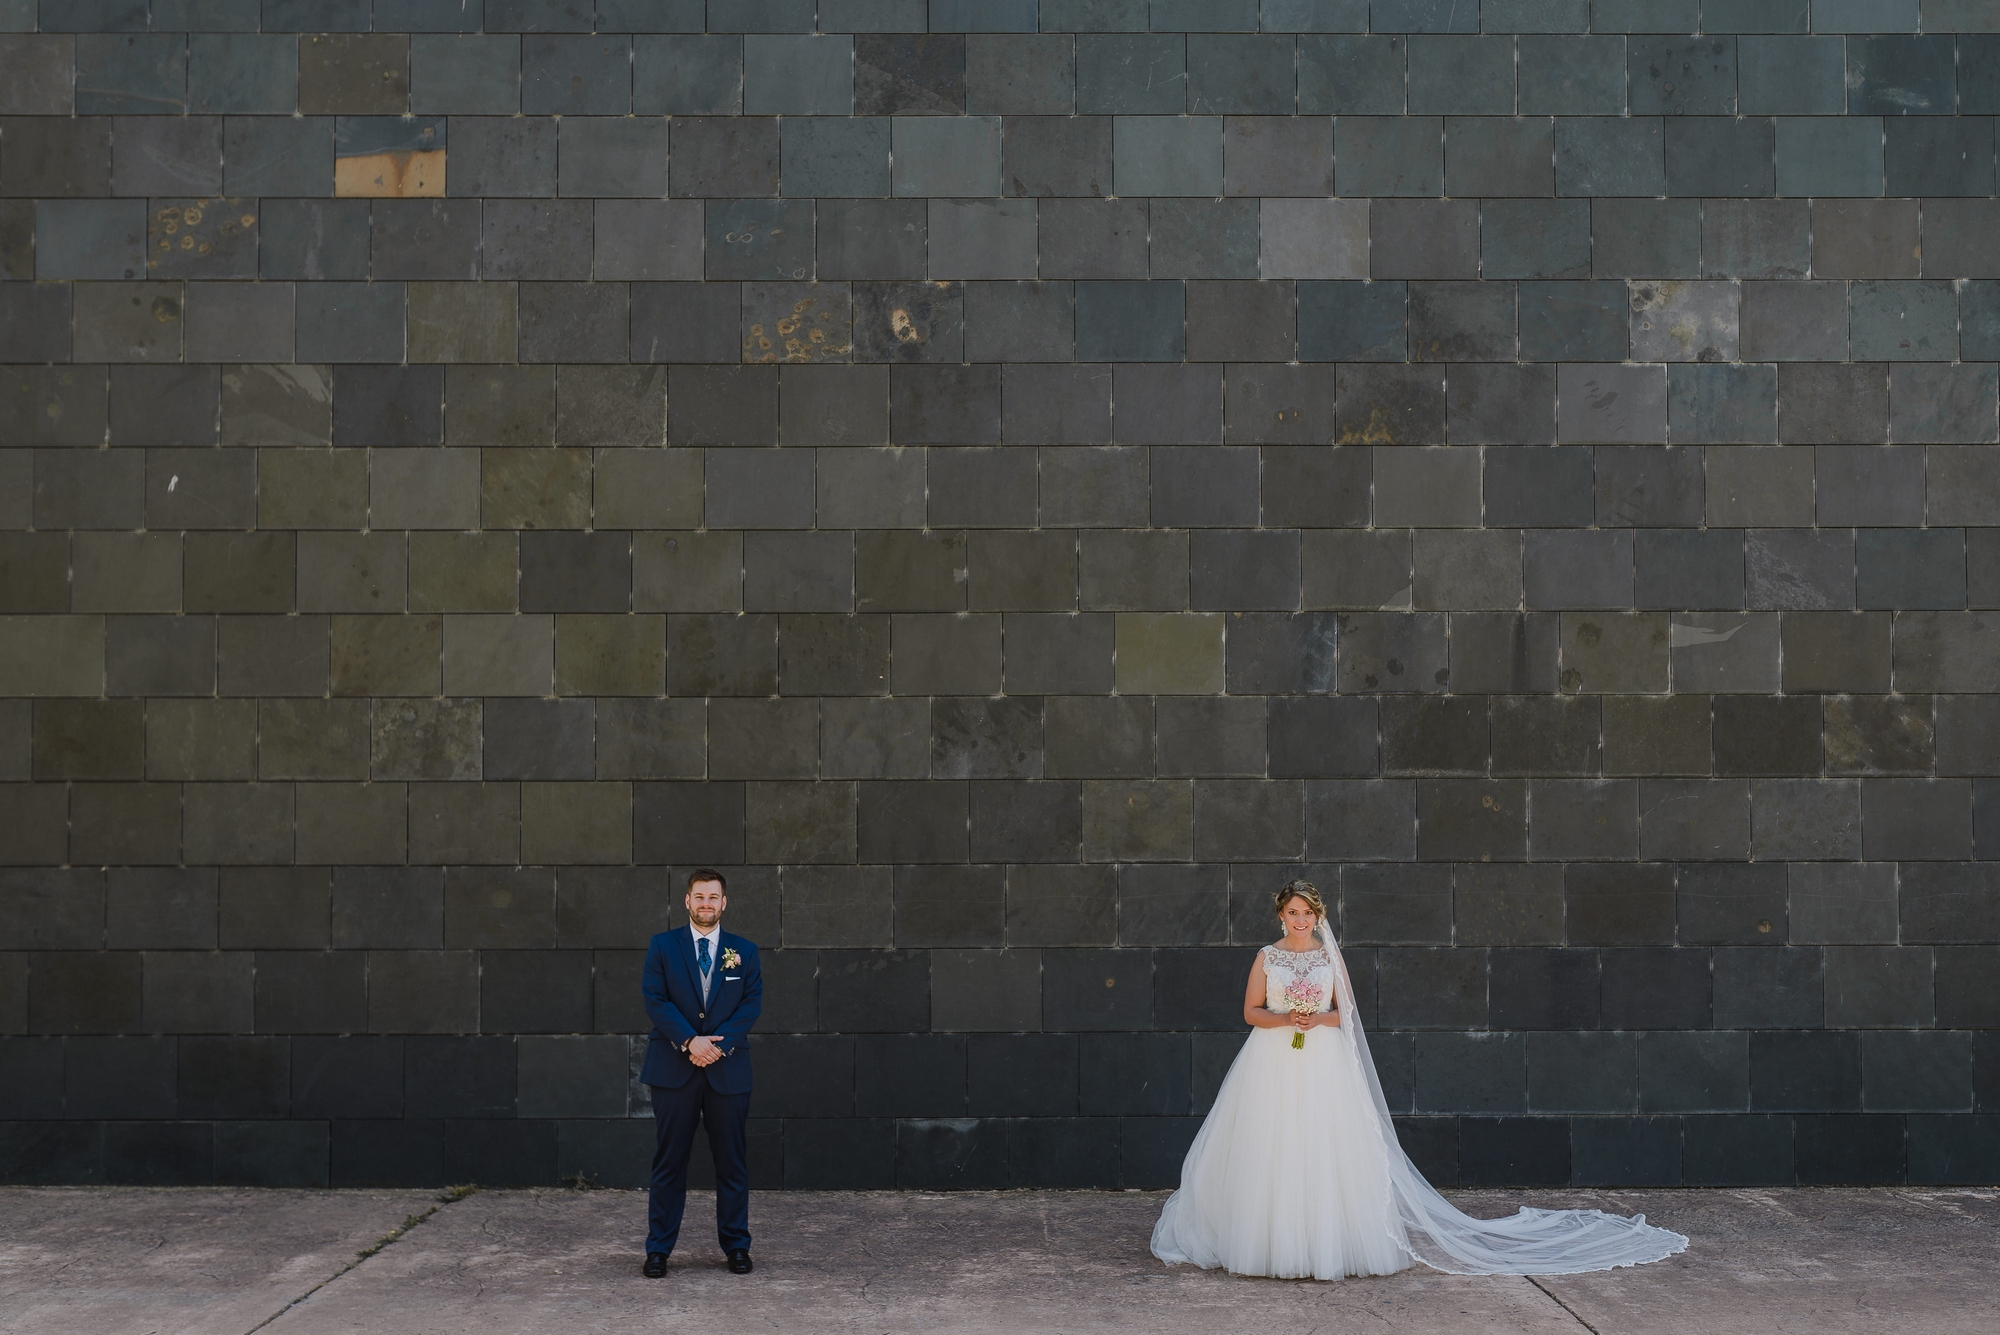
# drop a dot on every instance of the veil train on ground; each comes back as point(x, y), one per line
point(1531, 1242)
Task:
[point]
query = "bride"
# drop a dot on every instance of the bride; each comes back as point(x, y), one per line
point(1297, 1172)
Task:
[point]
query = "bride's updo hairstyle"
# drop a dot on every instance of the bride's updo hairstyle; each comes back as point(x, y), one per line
point(1305, 890)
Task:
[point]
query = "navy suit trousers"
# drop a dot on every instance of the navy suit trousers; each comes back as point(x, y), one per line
point(676, 1112)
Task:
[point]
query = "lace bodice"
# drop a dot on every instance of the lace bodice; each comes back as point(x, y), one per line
point(1282, 967)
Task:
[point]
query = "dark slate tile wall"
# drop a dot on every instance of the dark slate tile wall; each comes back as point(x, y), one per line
point(1013, 482)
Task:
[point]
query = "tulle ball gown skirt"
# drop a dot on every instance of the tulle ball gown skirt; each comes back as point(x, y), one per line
point(1288, 1176)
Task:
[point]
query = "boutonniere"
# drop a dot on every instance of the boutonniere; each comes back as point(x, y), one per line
point(731, 960)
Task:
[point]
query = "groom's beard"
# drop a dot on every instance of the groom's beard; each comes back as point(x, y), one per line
point(705, 921)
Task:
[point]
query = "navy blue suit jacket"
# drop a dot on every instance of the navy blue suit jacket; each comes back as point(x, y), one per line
point(673, 1000)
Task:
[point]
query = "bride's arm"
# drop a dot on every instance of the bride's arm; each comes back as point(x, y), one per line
point(1254, 1012)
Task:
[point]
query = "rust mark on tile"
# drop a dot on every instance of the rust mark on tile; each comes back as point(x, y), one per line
point(807, 333)
point(179, 227)
point(1377, 430)
point(414, 175)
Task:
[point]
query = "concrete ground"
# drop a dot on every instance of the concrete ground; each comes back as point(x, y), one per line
point(230, 1262)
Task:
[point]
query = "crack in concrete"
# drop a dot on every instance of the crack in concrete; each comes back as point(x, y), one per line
point(1552, 1297)
point(450, 1196)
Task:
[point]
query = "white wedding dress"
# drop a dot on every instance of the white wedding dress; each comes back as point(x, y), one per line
point(1297, 1173)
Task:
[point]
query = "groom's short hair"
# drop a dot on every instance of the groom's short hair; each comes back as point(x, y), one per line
point(700, 874)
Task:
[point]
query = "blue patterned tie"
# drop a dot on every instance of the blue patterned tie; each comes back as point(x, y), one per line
point(701, 956)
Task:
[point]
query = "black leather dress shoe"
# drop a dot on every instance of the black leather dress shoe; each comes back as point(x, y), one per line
point(656, 1265)
point(740, 1262)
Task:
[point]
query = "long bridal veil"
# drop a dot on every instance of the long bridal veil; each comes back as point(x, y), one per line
point(1531, 1242)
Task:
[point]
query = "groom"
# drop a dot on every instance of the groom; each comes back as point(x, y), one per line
point(703, 992)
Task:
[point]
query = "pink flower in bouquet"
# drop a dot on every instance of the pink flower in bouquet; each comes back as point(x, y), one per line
point(1302, 997)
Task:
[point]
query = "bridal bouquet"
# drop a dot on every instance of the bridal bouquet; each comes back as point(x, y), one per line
point(1301, 998)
